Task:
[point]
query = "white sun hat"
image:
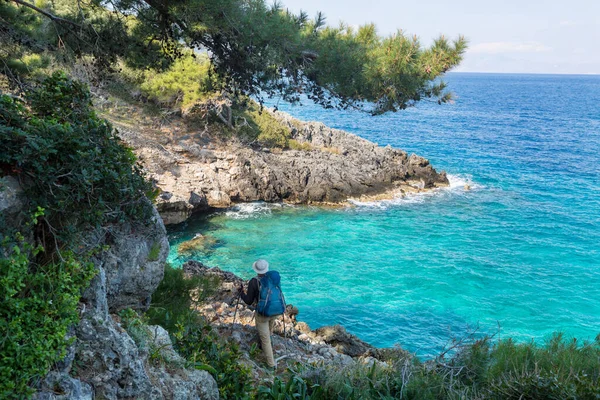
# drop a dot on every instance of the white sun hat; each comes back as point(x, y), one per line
point(260, 266)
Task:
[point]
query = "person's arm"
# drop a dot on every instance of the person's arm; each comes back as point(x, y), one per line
point(252, 294)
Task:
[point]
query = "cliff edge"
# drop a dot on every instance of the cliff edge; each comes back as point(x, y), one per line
point(328, 166)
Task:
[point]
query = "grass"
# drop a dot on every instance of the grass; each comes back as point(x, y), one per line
point(296, 145)
point(154, 252)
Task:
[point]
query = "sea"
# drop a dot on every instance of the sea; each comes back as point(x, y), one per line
point(514, 254)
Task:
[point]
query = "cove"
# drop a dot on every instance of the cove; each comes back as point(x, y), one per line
point(520, 250)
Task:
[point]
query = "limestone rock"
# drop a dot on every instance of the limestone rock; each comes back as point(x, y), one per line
point(11, 203)
point(132, 271)
point(60, 386)
point(106, 361)
point(342, 341)
point(339, 166)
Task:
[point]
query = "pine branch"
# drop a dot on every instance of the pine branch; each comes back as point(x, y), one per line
point(45, 13)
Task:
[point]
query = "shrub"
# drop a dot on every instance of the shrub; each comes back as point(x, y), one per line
point(172, 307)
point(80, 171)
point(295, 388)
point(257, 124)
point(204, 349)
point(174, 297)
point(135, 327)
point(272, 133)
point(185, 83)
point(561, 369)
point(79, 177)
point(38, 304)
point(477, 369)
point(154, 252)
point(296, 145)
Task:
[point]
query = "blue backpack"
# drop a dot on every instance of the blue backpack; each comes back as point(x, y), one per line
point(270, 297)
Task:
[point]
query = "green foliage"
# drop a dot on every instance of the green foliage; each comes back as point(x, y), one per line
point(204, 349)
point(154, 252)
point(78, 177)
point(81, 173)
point(356, 382)
point(23, 41)
point(172, 307)
point(185, 83)
point(272, 132)
point(28, 63)
point(135, 326)
point(256, 124)
point(254, 49)
point(562, 369)
point(294, 388)
point(38, 304)
point(296, 145)
point(174, 297)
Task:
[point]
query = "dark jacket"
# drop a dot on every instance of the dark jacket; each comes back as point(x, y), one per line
point(251, 296)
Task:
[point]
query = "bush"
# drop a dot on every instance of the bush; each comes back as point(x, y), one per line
point(173, 299)
point(204, 349)
point(172, 307)
point(296, 145)
point(78, 178)
point(294, 388)
point(79, 170)
point(185, 83)
point(38, 304)
point(561, 369)
point(259, 125)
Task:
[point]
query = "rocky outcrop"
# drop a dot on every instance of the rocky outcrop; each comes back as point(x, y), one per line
point(104, 361)
point(133, 263)
point(342, 341)
point(293, 341)
point(194, 174)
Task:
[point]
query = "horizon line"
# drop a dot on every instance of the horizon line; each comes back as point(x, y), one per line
point(526, 73)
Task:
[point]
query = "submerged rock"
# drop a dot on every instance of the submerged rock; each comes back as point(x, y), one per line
point(199, 244)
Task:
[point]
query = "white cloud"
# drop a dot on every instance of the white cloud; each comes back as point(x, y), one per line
point(508, 47)
point(567, 22)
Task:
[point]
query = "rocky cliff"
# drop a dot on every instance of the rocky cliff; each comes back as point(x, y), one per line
point(104, 361)
point(332, 166)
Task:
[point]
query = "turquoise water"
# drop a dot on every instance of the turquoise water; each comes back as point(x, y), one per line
point(520, 251)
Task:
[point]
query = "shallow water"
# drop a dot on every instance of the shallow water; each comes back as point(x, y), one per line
point(521, 250)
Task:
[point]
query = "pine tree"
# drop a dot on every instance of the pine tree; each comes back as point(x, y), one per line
point(255, 49)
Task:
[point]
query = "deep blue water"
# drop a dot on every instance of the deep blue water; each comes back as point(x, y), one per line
point(521, 250)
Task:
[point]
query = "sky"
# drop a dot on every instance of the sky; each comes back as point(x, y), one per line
point(510, 36)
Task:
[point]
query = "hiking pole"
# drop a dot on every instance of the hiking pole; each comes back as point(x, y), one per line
point(237, 302)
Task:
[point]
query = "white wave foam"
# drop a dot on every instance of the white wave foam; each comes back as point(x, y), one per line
point(251, 210)
point(461, 183)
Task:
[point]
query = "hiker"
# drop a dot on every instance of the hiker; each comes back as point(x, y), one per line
point(265, 293)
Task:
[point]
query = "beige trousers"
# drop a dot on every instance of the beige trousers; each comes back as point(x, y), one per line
point(264, 326)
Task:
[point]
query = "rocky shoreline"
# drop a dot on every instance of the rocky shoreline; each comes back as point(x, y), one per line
point(293, 341)
point(195, 172)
